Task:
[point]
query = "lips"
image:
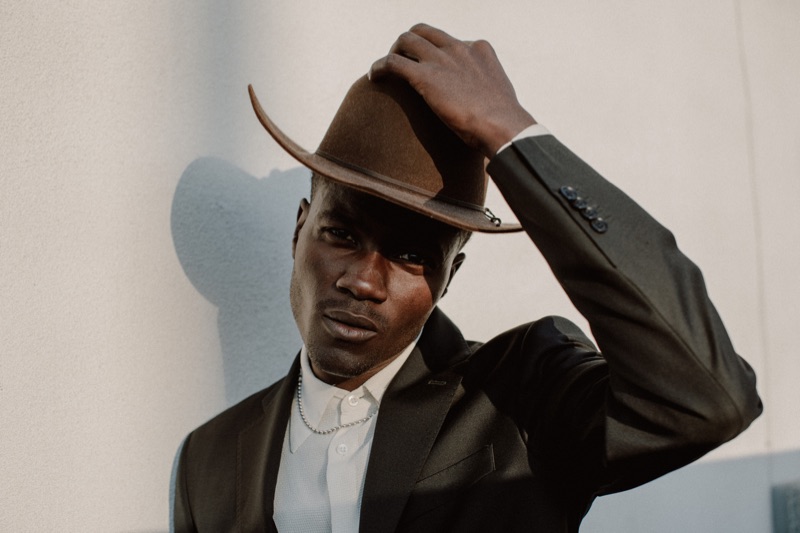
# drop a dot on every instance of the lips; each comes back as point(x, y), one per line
point(349, 327)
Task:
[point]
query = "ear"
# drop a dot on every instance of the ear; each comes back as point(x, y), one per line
point(302, 215)
point(457, 262)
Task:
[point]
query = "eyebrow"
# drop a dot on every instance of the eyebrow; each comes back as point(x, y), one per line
point(346, 215)
point(339, 214)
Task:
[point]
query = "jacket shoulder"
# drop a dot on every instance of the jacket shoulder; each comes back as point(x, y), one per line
point(232, 420)
point(547, 334)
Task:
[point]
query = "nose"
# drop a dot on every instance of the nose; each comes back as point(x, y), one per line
point(365, 277)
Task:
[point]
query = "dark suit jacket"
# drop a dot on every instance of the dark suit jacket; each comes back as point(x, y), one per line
point(520, 433)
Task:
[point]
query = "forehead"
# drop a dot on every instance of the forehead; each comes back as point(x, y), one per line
point(377, 216)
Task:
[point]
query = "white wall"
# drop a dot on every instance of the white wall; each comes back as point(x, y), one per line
point(143, 211)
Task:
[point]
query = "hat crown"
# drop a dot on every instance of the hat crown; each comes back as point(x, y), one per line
point(386, 141)
point(386, 130)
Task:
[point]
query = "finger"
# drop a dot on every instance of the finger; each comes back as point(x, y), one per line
point(413, 46)
point(395, 64)
point(437, 37)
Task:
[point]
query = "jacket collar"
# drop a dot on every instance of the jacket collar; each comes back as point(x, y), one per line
point(412, 412)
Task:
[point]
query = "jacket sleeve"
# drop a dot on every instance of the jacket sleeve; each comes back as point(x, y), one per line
point(674, 387)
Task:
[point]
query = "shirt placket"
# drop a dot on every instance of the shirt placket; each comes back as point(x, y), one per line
point(344, 477)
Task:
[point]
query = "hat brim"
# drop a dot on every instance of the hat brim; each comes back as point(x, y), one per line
point(463, 217)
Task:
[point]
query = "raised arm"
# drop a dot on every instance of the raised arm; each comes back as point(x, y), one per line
point(675, 387)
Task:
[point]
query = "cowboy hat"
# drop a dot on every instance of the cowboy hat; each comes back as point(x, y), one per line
point(385, 140)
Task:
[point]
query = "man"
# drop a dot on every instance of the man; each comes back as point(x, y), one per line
point(389, 420)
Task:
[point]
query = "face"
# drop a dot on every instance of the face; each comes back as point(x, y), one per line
point(366, 276)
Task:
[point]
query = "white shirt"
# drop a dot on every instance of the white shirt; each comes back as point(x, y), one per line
point(533, 130)
point(321, 477)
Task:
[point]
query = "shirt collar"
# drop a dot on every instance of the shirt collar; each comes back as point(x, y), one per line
point(317, 394)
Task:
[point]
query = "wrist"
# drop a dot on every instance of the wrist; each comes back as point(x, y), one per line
point(502, 133)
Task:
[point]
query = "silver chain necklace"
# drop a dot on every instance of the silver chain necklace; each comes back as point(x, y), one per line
point(308, 424)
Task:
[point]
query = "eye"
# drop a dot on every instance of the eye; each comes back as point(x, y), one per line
point(339, 234)
point(414, 259)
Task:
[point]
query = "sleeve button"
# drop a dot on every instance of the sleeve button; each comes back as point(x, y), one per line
point(568, 193)
point(599, 225)
point(579, 203)
point(590, 213)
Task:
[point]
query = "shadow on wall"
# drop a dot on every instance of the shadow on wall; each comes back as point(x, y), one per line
point(232, 233)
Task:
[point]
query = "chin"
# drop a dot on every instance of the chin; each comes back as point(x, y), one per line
point(341, 365)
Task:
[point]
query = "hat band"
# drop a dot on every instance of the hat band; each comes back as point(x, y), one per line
point(403, 185)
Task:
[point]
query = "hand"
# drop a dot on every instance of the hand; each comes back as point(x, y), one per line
point(463, 82)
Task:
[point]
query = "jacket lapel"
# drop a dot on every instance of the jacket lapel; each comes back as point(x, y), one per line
point(411, 414)
point(259, 457)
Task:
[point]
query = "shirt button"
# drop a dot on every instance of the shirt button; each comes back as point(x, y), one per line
point(341, 449)
point(352, 400)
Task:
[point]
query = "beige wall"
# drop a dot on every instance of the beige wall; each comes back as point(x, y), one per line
point(127, 318)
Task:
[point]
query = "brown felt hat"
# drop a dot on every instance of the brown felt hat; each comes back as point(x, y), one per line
point(386, 141)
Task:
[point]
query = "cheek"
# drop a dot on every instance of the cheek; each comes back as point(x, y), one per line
point(297, 298)
point(435, 286)
point(313, 277)
point(306, 277)
point(303, 284)
point(414, 301)
point(306, 261)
